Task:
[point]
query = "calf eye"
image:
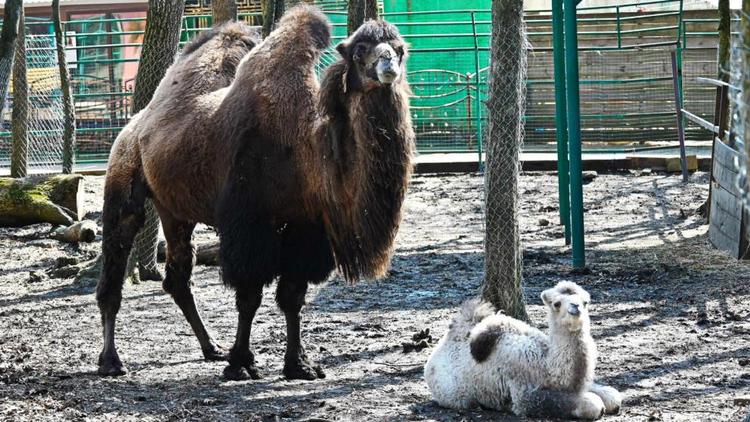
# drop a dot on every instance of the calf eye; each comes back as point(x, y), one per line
point(557, 305)
point(585, 304)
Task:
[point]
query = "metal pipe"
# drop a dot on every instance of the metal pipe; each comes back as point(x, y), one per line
point(619, 28)
point(574, 133)
point(479, 100)
point(678, 111)
point(561, 132)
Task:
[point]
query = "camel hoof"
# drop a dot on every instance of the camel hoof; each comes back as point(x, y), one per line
point(589, 407)
point(215, 353)
point(302, 370)
point(241, 373)
point(110, 366)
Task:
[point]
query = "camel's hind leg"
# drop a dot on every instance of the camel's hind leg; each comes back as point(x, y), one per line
point(180, 261)
point(122, 217)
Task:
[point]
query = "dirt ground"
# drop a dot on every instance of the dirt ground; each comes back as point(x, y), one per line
point(670, 316)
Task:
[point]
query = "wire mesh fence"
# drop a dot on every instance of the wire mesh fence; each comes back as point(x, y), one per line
point(627, 99)
point(44, 108)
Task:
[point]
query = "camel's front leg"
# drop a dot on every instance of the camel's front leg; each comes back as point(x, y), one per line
point(612, 398)
point(241, 359)
point(290, 295)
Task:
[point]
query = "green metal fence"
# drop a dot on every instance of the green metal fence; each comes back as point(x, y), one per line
point(626, 89)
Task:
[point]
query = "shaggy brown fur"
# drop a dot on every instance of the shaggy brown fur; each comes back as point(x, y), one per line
point(368, 165)
point(293, 185)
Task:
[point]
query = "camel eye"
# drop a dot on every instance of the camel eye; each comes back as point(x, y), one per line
point(557, 305)
point(585, 303)
point(359, 50)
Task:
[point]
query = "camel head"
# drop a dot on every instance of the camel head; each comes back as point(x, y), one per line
point(230, 39)
point(213, 56)
point(375, 56)
point(567, 305)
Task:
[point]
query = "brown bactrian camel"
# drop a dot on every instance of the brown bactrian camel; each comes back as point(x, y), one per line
point(298, 178)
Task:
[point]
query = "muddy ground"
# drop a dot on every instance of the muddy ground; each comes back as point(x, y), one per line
point(670, 316)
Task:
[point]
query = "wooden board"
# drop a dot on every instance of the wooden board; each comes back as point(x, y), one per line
point(726, 229)
point(726, 220)
point(725, 172)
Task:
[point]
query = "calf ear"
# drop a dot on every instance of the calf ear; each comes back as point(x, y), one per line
point(547, 296)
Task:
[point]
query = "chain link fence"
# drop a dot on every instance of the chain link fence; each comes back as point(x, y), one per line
point(506, 106)
point(43, 108)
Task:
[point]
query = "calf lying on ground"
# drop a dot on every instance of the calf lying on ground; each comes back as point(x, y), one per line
point(499, 362)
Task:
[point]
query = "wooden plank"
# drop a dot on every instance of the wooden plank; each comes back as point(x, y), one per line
point(726, 178)
point(725, 221)
point(725, 171)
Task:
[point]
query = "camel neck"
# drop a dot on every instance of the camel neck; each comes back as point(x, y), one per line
point(571, 358)
point(369, 137)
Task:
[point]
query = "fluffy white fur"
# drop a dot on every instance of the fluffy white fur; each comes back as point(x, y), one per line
point(498, 362)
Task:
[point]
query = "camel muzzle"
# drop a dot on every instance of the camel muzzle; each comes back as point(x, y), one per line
point(387, 68)
point(387, 73)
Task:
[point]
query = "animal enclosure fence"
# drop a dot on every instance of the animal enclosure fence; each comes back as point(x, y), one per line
point(627, 98)
point(43, 146)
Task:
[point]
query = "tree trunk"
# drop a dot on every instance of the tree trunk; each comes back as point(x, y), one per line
point(206, 253)
point(20, 115)
point(745, 96)
point(503, 257)
point(358, 12)
point(35, 199)
point(69, 125)
point(160, 44)
point(272, 12)
point(13, 10)
point(223, 11)
point(724, 50)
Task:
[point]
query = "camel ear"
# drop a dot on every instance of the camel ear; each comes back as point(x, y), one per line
point(547, 296)
point(343, 48)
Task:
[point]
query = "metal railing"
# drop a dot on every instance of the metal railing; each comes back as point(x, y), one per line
point(626, 91)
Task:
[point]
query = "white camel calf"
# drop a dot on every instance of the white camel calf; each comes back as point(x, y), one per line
point(499, 362)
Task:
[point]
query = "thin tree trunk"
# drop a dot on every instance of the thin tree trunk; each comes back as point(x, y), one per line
point(503, 257)
point(724, 50)
point(160, 44)
point(69, 129)
point(13, 10)
point(272, 12)
point(745, 51)
point(358, 12)
point(223, 11)
point(20, 116)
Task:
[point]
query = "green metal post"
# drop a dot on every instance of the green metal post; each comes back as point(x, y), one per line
point(574, 133)
point(561, 125)
point(619, 28)
point(478, 112)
